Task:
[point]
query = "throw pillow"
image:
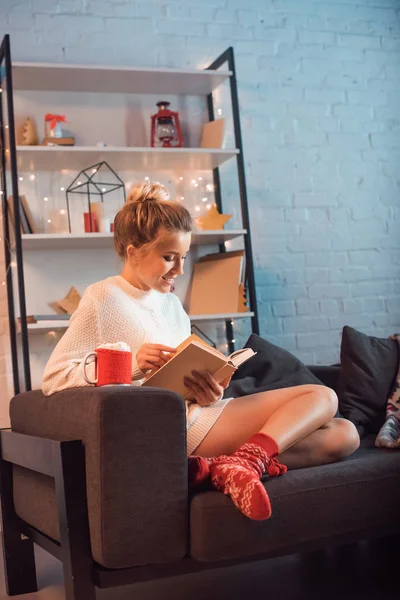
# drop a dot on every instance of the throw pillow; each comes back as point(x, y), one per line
point(272, 368)
point(369, 368)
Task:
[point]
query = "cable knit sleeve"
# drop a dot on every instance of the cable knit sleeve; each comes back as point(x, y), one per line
point(82, 336)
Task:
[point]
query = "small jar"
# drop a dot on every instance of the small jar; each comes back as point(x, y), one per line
point(53, 127)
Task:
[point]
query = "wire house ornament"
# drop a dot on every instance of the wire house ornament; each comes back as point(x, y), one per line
point(87, 183)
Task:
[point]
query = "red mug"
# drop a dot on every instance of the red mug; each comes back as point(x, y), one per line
point(112, 367)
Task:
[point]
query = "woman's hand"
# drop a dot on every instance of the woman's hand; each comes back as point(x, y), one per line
point(204, 388)
point(153, 356)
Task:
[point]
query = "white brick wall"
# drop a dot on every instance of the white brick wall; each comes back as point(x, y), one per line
point(319, 83)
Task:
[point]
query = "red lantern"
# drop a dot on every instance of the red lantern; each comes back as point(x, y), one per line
point(165, 128)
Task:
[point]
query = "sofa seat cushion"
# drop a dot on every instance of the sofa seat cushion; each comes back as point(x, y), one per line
point(311, 505)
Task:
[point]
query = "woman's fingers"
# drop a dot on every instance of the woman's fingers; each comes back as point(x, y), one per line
point(161, 348)
point(207, 381)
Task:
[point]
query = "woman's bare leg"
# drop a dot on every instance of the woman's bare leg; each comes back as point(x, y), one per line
point(333, 441)
point(286, 415)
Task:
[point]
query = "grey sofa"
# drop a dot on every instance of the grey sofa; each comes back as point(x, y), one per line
point(98, 477)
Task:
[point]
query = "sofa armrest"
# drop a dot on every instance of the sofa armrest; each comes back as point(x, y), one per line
point(136, 469)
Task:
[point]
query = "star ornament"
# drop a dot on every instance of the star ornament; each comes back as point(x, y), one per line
point(212, 220)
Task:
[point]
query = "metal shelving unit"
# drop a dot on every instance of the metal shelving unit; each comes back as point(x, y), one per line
point(103, 79)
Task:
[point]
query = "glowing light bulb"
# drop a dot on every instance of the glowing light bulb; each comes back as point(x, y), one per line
point(32, 177)
point(46, 199)
point(1, 192)
point(196, 184)
point(147, 178)
point(205, 199)
point(103, 189)
point(49, 220)
point(209, 187)
point(193, 181)
point(197, 208)
point(182, 197)
point(62, 188)
point(62, 212)
point(94, 170)
point(219, 111)
point(21, 178)
point(3, 283)
point(233, 341)
point(79, 182)
point(200, 179)
point(180, 178)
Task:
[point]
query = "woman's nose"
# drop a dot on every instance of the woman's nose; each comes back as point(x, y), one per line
point(178, 268)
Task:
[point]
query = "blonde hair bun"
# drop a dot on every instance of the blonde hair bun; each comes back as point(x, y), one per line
point(142, 192)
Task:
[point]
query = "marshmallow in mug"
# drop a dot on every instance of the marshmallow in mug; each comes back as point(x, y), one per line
point(122, 346)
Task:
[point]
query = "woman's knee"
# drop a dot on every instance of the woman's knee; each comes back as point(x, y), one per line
point(342, 440)
point(329, 399)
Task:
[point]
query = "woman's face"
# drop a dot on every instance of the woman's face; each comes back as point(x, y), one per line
point(159, 267)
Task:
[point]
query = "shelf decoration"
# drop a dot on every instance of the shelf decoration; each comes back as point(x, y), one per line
point(97, 180)
point(29, 135)
point(212, 220)
point(69, 304)
point(165, 128)
point(54, 133)
point(213, 134)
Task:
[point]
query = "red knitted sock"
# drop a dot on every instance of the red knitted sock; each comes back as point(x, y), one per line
point(238, 476)
point(267, 443)
point(198, 471)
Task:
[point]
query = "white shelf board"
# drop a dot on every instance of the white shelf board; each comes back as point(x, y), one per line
point(48, 325)
point(221, 317)
point(105, 79)
point(52, 158)
point(64, 241)
point(53, 325)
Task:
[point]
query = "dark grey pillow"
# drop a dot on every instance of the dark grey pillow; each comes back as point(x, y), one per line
point(369, 368)
point(271, 369)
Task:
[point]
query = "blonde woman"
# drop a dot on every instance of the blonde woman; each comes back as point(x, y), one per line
point(234, 441)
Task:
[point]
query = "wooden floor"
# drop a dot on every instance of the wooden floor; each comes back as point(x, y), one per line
point(364, 571)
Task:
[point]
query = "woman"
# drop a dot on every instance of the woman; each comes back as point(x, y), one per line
point(233, 441)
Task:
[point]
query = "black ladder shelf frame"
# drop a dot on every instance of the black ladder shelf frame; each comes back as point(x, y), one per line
point(228, 57)
point(6, 76)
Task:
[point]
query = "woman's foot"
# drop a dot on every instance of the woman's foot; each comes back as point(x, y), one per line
point(238, 476)
point(243, 485)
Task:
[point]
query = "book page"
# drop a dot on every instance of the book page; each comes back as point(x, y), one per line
point(195, 356)
point(241, 356)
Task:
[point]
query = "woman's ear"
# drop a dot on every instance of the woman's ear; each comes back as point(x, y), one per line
point(131, 253)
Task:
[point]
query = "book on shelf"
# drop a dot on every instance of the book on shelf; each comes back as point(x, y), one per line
point(194, 354)
point(215, 283)
point(36, 318)
point(27, 222)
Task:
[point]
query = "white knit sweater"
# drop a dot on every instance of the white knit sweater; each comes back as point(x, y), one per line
point(113, 311)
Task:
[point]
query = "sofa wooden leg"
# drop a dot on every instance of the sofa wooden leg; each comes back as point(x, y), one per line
point(18, 553)
point(70, 482)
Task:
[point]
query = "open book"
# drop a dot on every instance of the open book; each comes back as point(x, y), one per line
point(193, 354)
